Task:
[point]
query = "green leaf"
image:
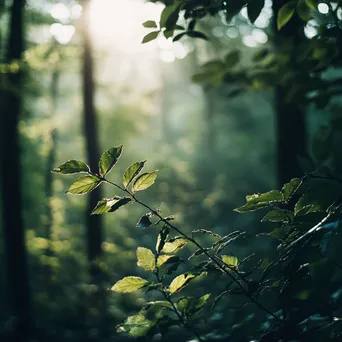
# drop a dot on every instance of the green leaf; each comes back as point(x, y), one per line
point(84, 185)
point(163, 259)
point(144, 222)
point(271, 196)
point(129, 284)
point(132, 172)
point(258, 201)
point(290, 188)
point(204, 231)
point(144, 181)
point(107, 205)
point(150, 36)
point(109, 159)
point(254, 8)
point(264, 263)
point(230, 260)
point(150, 24)
point(168, 33)
point(183, 304)
point(146, 259)
point(137, 325)
point(232, 58)
point(196, 34)
point(180, 282)
point(303, 10)
point(278, 216)
point(163, 234)
point(169, 15)
point(174, 245)
point(71, 166)
point(286, 13)
point(168, 265)
point(178, 36)
point(313, 4)
point(202, 301)
point(157, 309)
point(192, 25)
point(160, 303)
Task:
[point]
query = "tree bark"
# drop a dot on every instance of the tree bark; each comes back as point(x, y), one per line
point(14, 232)
point(290, 116)
point(94, 222)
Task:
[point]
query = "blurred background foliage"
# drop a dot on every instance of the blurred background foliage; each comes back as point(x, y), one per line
point(211, 134)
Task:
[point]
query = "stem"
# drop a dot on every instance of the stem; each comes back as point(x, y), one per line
point(175, 310)
point(213, 259)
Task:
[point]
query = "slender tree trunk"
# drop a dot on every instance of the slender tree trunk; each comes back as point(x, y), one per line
point(51, 155)
point(290, 116)
point(14, 233)
point(94, 223)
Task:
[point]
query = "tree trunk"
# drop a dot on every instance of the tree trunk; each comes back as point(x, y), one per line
point(52, 154)
point(14, 233)
point(94, 222)
point(290, 116)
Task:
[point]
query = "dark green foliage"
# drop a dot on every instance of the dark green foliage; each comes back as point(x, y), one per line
point(293, 273)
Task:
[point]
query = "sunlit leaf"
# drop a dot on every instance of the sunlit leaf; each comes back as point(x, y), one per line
point(137, 325)
point(129, 284)
point(132, 172)
point(84, 185)
point(290, 188)
point(150, 24)
point(145, 181)
point(72, 166)
point(146, 259)
point(271, 196)
point(230, 260)
point(107, 205)
point(285, 14)
point(163, 259)
point(150, 36)
point(168, 265)
point(174, 245)
point(109, 159)
point(180, 282)
point(200, 302)
point(258, 201)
